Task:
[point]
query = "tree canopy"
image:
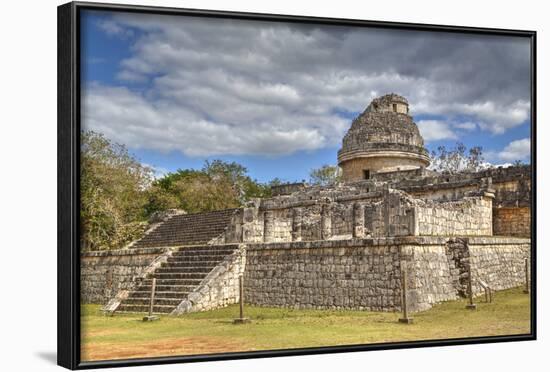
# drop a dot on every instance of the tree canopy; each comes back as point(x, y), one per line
point(325, 175)
point(113, 188)
point(118, 193)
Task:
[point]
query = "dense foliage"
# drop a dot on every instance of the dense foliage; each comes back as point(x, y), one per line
point(218, 185)
point(113, 188)
point(118, 193)
point(325, 175)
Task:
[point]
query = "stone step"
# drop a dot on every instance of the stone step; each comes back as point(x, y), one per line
point(186, 262)
point(173, 281)
point(158, 301)
point(188, 229)
point(191, 268)
point(185, 269)
point(157, 309)
point(203, 252)
point(160, 294)
point(180, 275)
point(166, 288)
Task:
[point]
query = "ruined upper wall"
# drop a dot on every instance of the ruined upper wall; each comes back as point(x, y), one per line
point(355, 211)
point(511, 185)
point(287, 188)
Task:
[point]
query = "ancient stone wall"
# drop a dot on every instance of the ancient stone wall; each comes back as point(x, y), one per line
point(512, 221)
point(499, 262)
point(432, 276)
point(365, 274)
point(470, 216)
point(104, 273)
point(323, 275)
point(361, 274)
point(287, 188)
point(376, 213)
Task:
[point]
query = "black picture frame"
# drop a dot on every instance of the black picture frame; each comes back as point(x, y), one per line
point(68, 321)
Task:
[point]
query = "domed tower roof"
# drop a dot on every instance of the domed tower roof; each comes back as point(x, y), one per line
point(383, 138)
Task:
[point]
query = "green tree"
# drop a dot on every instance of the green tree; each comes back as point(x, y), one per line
point(218, 185)
point(244, 186)
point(325, 175)
point(113, 193)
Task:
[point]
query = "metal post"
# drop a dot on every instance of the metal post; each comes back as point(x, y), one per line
point(241, 319)
point(526, 290)
point(471, 305)
point(405, 319)
point(152, 317)
point(241, 297)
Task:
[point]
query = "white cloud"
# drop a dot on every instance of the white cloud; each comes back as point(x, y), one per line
point(467, 126)
point(128, 117)
point(219, 87)
point(112, 28)
point(435, 130)
point(516, 150)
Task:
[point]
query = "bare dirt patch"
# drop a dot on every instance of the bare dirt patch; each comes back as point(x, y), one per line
point(167, 347)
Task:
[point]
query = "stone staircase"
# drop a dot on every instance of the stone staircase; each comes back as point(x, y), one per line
point(187, 229)
point(176, 278)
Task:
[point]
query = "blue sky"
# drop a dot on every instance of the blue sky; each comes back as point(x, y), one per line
point(278, 98)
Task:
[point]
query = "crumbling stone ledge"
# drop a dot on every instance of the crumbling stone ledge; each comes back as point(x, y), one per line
point(398, 240)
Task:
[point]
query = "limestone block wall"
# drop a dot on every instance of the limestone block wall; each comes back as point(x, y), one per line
point(366, 274)
point(342, 219)
point(323, 275)
point(432, 276)
point(499, 262)
point(104, 273)
point(311, 223)
point(512, 221)
point(471, 216)
point(278, 225)
point(377, 214)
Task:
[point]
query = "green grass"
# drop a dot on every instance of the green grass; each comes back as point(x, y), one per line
point(126, 336)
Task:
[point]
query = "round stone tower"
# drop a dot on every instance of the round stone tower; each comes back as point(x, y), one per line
point(383, 138)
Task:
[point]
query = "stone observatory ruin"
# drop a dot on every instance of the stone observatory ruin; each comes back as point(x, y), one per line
point(383, 138)
point(343, 246)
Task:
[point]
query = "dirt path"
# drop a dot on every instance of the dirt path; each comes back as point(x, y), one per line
point(166, 347)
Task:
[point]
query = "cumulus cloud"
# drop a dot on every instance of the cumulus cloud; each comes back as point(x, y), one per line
point(435, 130)
point(246, 87)
point(114, 29)
point(516, 150)
point(467, 126)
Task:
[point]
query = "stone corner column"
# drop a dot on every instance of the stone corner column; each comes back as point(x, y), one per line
point(358, 224)
point(297, 215)
point(326, 221)
point(268, 225)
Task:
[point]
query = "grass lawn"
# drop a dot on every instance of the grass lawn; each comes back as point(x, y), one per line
point(126, 336)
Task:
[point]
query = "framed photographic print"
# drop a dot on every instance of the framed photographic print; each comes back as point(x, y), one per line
point(237, 185)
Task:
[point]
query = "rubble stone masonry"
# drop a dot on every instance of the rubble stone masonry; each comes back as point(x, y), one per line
point(104, 273)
